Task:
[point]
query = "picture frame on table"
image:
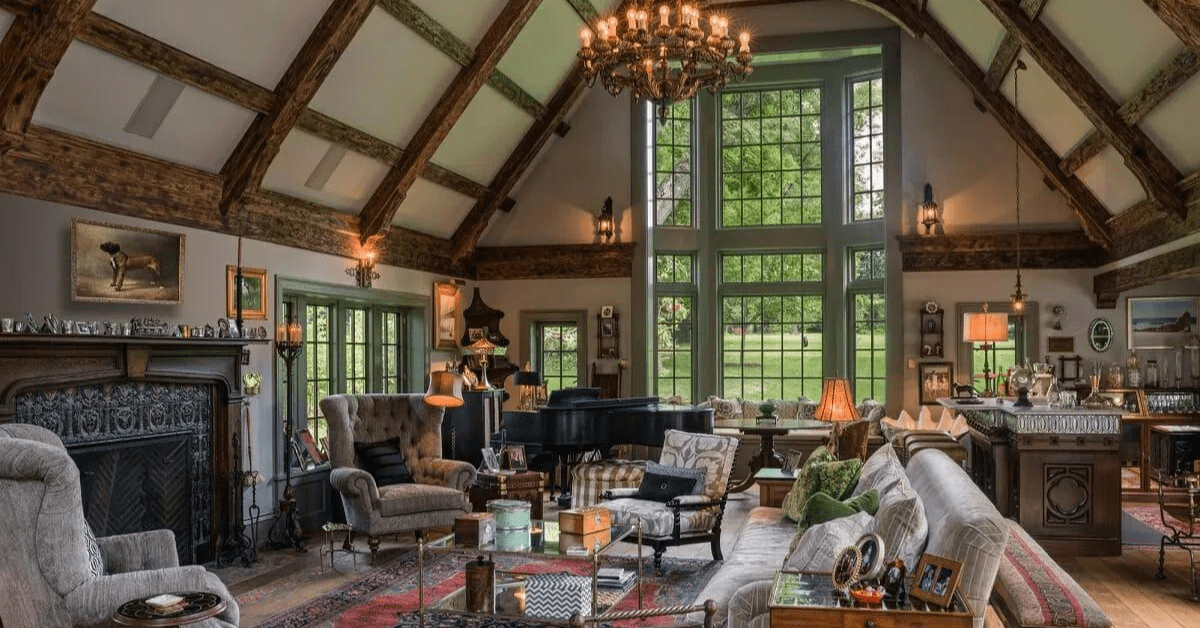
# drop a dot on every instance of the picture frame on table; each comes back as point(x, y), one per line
point(935, 579)
point(1160, 322)
point(792, 461)
point(113, 263)
point(516, 457)
point(254, 293)
point(491, 461)
point(936, 380)
point(447, 302)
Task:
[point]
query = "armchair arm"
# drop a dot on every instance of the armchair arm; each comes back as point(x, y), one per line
point(693, 502)
point(617, 493)
point(454, 474)
point(356, 484)
point(93, 602)
point(137, 551)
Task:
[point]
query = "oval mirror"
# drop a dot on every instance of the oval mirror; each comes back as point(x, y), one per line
point(1100, 334)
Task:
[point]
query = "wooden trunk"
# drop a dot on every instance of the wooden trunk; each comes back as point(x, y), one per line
point(524, 485)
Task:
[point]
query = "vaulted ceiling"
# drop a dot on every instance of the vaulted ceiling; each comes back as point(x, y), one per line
point(404, 125)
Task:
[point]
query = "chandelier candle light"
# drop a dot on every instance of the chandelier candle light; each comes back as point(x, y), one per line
point(663, 55)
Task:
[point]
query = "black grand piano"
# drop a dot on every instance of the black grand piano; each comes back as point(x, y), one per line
point(575, 421)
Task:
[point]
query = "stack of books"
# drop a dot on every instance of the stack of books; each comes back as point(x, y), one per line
point(166, 604)
point(615, 577)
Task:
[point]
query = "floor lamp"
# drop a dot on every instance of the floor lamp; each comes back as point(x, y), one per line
point(986, 328)
point(289, 343)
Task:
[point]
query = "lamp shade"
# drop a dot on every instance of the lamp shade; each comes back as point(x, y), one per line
point(483, 346)
point(985, 327)
point(836, 403)
point(445, 390)
point(527, 378)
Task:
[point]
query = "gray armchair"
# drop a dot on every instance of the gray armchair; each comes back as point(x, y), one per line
point(53, 573)
point(437, 493)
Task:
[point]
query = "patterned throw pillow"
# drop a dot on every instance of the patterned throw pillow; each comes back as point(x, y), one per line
point(95, 558)
point(881, 472)
point(787, 409)
point(808, 409)
point(821, 508)
point(872, 411)
point(724, 409)
point(822, 472)
point(749, 408)
point(815, 548)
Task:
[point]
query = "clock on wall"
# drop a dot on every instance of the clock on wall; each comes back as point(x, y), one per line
point(1100, 333)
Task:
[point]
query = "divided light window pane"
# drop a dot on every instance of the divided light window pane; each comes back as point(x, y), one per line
point(673, 167)
point(771, 157)
point(558, 352)
point(390, 346)
point(870, 345)
point(772, 267)
point(673, 268)
point(356, 351)
point(867, 264)
point(866, 128)
point(319, 371)
point(772, 346)
point(673, 346)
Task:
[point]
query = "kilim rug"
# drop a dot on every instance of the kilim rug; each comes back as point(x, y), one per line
point(1149, 515)
point(385, 597)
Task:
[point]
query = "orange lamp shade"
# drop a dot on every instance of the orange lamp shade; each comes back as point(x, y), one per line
point(985, 327)
point(836, 403)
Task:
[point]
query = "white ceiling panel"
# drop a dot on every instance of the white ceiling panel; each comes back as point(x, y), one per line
point(1172, 125)
point(972, 25)
point(347, 189)
point(6, 20)
point(1122, 45)
point(256, 40)
point(387, 81)
point(467, 19)
point(544, 51)
point(94, 93)
point(484, 137)
point(433, 209)
point(1111, 181)
point(604, 7)
point(1047, 108)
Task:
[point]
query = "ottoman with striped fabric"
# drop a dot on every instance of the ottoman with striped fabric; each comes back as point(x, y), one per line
point(590, 479)
point(1032, 591)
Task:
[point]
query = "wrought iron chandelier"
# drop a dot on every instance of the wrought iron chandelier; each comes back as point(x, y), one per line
point(663, 55)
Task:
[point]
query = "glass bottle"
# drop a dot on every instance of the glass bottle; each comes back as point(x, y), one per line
point(1151, 373)
point(1113, 378)
point(1133, 371)
point(1178, 367)
point(1054, 393)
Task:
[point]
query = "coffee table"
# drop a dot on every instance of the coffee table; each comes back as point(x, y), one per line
point(808, 600)
point(198, 607)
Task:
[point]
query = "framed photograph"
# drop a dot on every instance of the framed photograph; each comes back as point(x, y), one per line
point(476, 333)
point(607, 328)
point(791, 462)
point(1060, 344)
point(516, 457)
point(491, 462)
point(447, 301)
point(254, 290)
point(935, 579)
point(606, 311)
point(117, 263)
point(871, 548)
point(936, 379)
point(846, 567)
point(1160, 322)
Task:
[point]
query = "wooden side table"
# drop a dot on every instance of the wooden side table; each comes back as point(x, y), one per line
point(198, 606)
point(773, 485)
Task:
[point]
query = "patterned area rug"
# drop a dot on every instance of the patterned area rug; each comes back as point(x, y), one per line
point(387, 597)
point(1148, 514)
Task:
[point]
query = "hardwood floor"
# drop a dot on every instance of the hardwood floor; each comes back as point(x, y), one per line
point(1124, 586)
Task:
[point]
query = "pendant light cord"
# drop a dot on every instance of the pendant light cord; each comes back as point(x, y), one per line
point(1017, 156)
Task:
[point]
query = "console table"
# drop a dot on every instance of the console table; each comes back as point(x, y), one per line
point(1056, 470)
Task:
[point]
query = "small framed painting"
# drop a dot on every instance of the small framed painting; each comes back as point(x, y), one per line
point(936, 379)
point(254, 289)
point(447, 301)
point(1160, 322)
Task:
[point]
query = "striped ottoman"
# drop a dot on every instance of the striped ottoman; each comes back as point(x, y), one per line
point(1032, 591)
point(590, 479)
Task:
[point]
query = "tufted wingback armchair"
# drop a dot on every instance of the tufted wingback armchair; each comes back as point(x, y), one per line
point(54, 573)
point(438, 492)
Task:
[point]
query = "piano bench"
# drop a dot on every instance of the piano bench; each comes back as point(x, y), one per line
point(591, 479)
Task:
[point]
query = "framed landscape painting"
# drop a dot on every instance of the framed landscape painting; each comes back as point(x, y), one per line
point(1160, 322)
point(254, 287)
point(117, 263)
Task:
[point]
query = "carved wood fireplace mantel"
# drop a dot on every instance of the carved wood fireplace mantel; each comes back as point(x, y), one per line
point(104, 395)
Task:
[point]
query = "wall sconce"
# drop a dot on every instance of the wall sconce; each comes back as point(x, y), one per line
point(929, 210)
point(604, 222)
point(364, 273)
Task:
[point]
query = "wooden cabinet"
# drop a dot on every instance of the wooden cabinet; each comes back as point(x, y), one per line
point(933, 333)
point(467, 429)
point(1144, 409)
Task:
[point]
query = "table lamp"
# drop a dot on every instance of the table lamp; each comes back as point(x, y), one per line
point(445, 389)
point(986, 328)
point(836, 407)
point(529, 381)
point(482, 348)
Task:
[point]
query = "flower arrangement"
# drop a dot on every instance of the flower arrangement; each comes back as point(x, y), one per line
point(251, 382)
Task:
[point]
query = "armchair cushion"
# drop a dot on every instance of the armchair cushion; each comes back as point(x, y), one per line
point(658, 521)
point(384, 461)
point(663, 483)
point(409, 498)
point(139, 550)
point(95, 559)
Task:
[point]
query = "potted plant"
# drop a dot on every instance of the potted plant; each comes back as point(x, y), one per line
point(251, 382)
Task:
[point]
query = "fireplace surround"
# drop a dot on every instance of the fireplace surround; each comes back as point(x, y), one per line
point(152, 423)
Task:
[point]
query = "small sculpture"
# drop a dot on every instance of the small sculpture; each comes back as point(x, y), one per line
point(893, 580)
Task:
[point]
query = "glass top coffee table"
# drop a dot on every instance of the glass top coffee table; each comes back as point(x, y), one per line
point(808, 600)
point(509, 584)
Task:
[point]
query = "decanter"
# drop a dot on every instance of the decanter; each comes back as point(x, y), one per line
point(1133, 371)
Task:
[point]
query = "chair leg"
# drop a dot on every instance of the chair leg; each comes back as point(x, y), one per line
point(658, 554)
point(373, 543)
point(1162, 556)
point(716, 546)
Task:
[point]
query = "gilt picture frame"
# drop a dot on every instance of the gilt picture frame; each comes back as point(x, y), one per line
point(1160, 322)
point(254, 291)
point(113, 263)
point(447, 303)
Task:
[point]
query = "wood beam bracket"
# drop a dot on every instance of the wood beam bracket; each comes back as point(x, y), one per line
point(1177, 264)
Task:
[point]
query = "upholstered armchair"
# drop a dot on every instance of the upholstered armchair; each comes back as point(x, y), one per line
point(437, 492)
point(688, 518)
point(54, 572)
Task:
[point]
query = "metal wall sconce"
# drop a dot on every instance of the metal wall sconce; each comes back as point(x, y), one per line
point(604, 222)
point(929, 210)
point(364, 273)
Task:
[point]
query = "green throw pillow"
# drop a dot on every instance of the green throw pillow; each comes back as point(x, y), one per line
point(821, 507)
point(824, 473)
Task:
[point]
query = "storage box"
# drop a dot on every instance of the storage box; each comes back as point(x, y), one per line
point(592, 542)
point(512, 524)
point(584, 520)
point(524, 485)
point(557, 595)
point(474, 529)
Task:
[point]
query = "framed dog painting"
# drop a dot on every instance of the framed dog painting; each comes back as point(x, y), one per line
point(117, 263)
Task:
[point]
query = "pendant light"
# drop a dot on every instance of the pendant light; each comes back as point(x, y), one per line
point(1018, 295)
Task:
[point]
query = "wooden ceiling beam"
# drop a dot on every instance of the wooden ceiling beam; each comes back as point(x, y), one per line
point(1162, 84)
point(1177, 264)
point(998, 251)
point(1182, 17)
point(246, 166)
point(381, 208)
point(1142, 226)
point(466, 236)
point(1144, 159)
point(409, 14)
point(556, 261)
point(585, 11)
point(1010, 48)
point(29, 53)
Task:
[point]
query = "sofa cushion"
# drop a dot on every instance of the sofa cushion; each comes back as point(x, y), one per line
point(902, 524)
point(821, 508)
point(880, 472)
point(749, 408)
point(821, 472)
point(1032, 591)
point(658, 521)
point(384, 461)
point(410, 498)
point(723, 409)
point(819, 544)
point(755, 556)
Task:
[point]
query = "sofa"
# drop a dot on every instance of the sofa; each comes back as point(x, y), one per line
point(959, 523)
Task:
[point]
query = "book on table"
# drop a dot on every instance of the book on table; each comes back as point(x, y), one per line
point(615, 577)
